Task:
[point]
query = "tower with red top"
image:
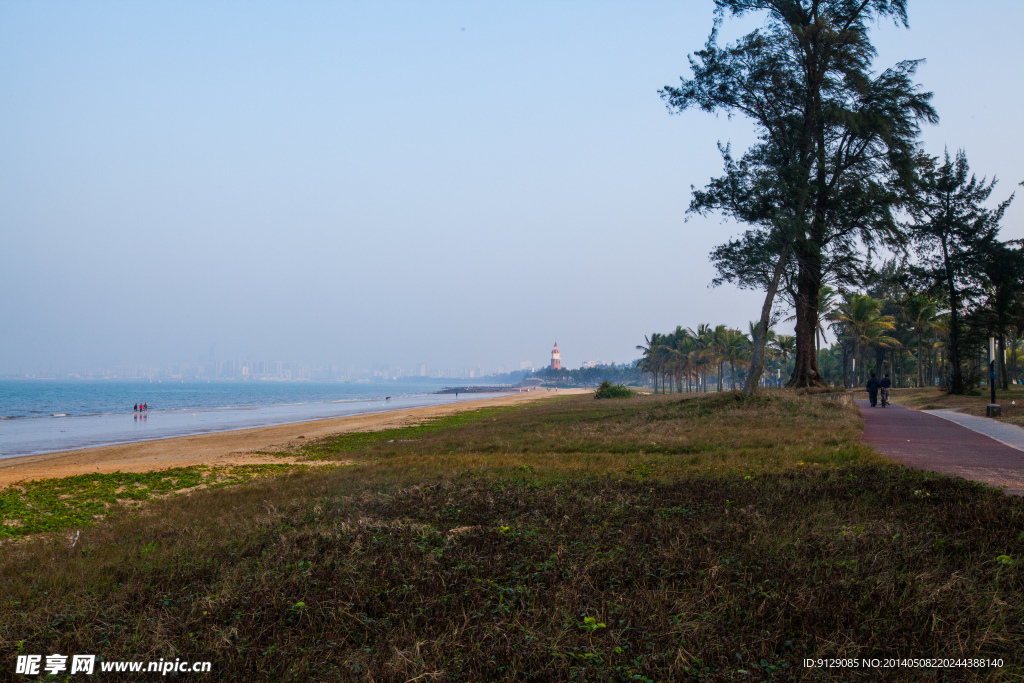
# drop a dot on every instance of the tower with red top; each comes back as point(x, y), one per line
point(556, 358)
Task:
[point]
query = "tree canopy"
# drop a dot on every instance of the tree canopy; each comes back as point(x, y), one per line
point(835, 156)
point(956, 238)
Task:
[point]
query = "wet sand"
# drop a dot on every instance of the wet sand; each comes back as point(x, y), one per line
point(238, 447)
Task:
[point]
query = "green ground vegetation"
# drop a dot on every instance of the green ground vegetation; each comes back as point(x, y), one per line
point(75, 502)
point(609, 390)
point(659, 538)
point(330, 448)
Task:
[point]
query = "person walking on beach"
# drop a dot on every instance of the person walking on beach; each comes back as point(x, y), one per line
point(872, 387)
point(135, 409)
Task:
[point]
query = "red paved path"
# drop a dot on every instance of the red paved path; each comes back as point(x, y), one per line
point(921, 440)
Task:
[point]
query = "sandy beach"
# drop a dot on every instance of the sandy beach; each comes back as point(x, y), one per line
point(240, 447)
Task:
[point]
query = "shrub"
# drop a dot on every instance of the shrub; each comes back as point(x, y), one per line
point(609, 390)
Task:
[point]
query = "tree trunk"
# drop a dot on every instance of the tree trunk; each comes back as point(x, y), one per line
point(856, 357)
point(920, 363)
point(817, 342)
point(956, 372)
point(805, 370)
point(761, 332)
point(1004, 381)
point(846, 365)
point(1013, 354)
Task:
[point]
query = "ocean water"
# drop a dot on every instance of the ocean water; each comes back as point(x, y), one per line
point(42, 416)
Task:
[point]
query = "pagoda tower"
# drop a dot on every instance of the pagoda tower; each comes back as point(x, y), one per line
point(556, 358)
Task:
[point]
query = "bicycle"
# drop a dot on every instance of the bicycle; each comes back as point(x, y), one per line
point(885, 397)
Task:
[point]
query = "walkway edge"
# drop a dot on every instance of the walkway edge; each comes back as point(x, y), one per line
point(997, 431)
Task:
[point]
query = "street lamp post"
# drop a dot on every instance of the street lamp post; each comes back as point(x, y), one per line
point(992, 409)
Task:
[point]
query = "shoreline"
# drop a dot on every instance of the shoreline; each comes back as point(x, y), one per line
point(234, 447)
point(38, 436)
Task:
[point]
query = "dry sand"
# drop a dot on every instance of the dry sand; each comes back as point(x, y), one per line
point(232, 448)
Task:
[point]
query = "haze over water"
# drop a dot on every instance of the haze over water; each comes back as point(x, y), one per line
point(41, 416)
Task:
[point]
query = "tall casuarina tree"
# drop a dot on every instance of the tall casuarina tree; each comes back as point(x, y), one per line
point(836, 148)
point(956, 235)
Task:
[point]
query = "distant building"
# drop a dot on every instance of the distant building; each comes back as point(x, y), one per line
point(526, 365)
point(556, 358)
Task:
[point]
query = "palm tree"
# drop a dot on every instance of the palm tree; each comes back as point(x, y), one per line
point(738, 349)
point(921, 315)
point(718, 350)
point(651, 355)
point(863, 322)
point(702, 355)
point(785, 346)
point(681, 351)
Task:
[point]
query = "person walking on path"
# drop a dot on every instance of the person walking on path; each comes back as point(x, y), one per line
point(872, 387)
point(885, 385)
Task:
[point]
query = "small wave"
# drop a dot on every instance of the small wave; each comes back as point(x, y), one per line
point(58, 414)
point(11, 417)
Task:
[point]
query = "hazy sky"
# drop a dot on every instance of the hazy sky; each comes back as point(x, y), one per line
point(356, 183)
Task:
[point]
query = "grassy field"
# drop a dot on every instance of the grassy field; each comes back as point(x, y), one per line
point(647, 539)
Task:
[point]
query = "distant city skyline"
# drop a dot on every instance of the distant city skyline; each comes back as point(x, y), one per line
point(213, 368)
point(246, 370)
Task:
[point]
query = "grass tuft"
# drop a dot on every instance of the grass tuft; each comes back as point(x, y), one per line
point(609, 390)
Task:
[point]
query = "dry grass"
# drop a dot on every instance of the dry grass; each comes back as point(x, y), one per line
point(672, 436)
point(649, 539)
point(931, 398)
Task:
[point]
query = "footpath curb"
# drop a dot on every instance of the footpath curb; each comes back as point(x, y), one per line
point(927, 441)
point(1006, 434)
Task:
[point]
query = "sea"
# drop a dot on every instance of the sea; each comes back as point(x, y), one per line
point(44, 416)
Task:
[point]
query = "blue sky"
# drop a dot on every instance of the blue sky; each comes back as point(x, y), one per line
point(357, 183)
